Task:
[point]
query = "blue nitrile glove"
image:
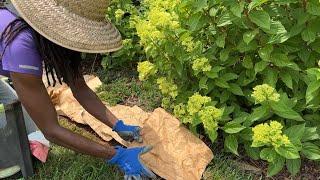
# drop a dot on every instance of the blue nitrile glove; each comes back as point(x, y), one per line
point(128, 160)
point(127, 132)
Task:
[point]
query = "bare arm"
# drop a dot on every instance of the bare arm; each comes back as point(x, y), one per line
point(33, 95)
point(91, 103)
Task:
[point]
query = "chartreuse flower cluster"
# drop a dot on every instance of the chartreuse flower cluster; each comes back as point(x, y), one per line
point(198, 106)
point(187, 41)
point(167, 87)
point(119, 14)
point(201, 65)
point(269, 135)
point(264, 93)
point(210, 116)
point(181, 112)
point(163, 4)
point(160, 16)
point(196, 103)
point(146, 69)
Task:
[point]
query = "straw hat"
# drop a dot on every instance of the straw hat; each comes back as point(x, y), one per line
point(79, 25)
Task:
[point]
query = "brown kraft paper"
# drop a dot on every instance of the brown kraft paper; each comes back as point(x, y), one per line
point(176, 154)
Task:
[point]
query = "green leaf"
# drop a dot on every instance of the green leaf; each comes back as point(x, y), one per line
point(268, 154)
point(260, 66)
point(231, 143)
point(229, 76)
point(313, 7)
point(259, 113)
point(287, 79)
point(213, 134)
point(311, 151)
point(276, 162)
point(278, 38)
point(293, 166)
point(282, 60)
point(278, 33)
point(243, 47)
point(296, 29)
point(310, 134)
point(271, 77)
point(222, 83)
point(288, 151)
point(225, 95)
point(246, 135)
point(308, 35)
point(250, 35)
point(295, 132)
point(265, 52)
point(213, 74)
point(285, 2)
point(224, 54)
point(199, 5)
point(179, 67)
point(247, 62)
point(282, 110)
point(203, 83)
point(235, 89)
point(105, 62)
point(316, 46)
point(220, 41)
point(194, 21)
point(256, 3)
point(275, 167)
point(312, 89)
point(260, 18)
point(314, 72)
point(254, 153)
point(224, 20)
point(233, 128)
point(276, 28)
point(237, 9)
point(213, 12)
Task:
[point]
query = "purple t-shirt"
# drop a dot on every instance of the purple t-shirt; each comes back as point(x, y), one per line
point(21, 55)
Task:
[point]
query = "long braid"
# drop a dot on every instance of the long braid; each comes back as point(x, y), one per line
point(60, 63)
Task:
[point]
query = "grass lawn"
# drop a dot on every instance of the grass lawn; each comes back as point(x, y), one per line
point(64, 164)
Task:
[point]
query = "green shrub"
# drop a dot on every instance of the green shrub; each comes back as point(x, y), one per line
point(120, 13)
point(245, 69)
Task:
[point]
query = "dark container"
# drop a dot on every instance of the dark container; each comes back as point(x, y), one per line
point(14, 144)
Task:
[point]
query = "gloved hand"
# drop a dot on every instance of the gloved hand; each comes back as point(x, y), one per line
point(128, 160)
point(127, 132)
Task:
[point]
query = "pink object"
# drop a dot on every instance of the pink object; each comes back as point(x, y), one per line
point(39, 150)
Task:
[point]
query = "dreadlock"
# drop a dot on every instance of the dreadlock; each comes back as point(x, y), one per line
point(62, 64)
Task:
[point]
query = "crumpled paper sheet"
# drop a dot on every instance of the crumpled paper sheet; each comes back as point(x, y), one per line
point(177, 153)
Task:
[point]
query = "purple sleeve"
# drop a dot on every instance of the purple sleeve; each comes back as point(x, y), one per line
point(22, 56)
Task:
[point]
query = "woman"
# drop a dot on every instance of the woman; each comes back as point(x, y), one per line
point(52, 33)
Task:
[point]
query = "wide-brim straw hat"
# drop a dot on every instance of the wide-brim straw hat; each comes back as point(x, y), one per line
point(80, 25)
